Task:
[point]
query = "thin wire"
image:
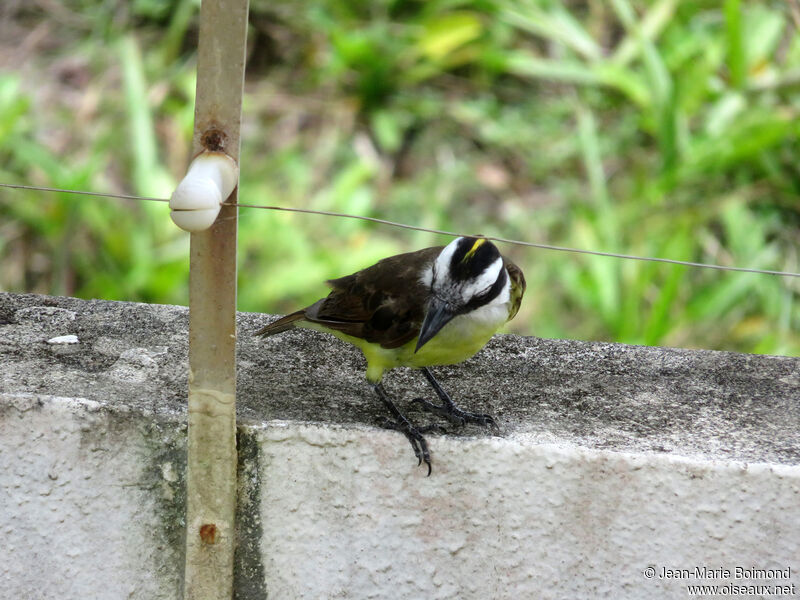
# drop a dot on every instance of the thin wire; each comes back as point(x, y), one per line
point(80, 193)
point(524, 243)
point(436, 231)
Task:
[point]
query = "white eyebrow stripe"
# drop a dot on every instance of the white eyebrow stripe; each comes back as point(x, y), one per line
point(484, 281)
point(442, 264)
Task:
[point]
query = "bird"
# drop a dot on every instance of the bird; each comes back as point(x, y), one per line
point(435, 306)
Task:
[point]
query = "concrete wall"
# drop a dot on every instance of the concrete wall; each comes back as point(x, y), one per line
point(617, 468)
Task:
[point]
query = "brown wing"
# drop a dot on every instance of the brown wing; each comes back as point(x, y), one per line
point(383, 304)
point(283, 324)
point(518, 286)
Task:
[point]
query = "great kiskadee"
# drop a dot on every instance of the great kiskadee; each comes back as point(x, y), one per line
point(436, 306)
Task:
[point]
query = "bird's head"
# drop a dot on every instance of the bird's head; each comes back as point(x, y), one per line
point(468, 274)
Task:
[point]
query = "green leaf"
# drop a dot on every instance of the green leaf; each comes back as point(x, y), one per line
point(724, 112)
point(149, 177)
point(764, 32)
point(558, 26)
point(444, 34)
point(736, 48)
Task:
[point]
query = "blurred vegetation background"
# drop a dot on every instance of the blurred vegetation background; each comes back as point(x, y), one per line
point(663, 128)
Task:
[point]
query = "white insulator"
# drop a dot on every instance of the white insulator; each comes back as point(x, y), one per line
point(196, 201)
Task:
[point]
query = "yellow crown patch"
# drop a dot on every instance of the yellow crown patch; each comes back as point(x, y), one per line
point(478, 243)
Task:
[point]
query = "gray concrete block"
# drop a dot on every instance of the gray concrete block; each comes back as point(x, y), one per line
point(611, 460)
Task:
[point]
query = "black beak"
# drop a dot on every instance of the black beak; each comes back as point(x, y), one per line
point(439, 314)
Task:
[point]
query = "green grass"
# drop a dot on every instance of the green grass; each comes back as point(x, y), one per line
point(659, 128)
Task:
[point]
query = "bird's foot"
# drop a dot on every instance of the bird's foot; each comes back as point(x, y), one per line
point(455, 415)
point(414, 435)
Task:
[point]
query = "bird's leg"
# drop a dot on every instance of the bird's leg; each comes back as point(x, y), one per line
point(448, 409)
point(403, 425)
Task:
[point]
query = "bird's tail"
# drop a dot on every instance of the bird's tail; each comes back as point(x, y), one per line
point(283, 324)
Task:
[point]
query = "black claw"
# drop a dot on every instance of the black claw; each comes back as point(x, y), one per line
point(432, 427)
point(449, 410)
point(404, 426)
point(418, 443)
point(451, 415)
point(455, 415)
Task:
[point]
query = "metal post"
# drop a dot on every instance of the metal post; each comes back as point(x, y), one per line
point(211, 471)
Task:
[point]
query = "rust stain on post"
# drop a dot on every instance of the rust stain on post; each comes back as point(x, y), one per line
point(208, 533)
point(214, 140)
point(211, 475)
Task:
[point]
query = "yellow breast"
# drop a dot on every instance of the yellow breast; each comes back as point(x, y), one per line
point(457, 341)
